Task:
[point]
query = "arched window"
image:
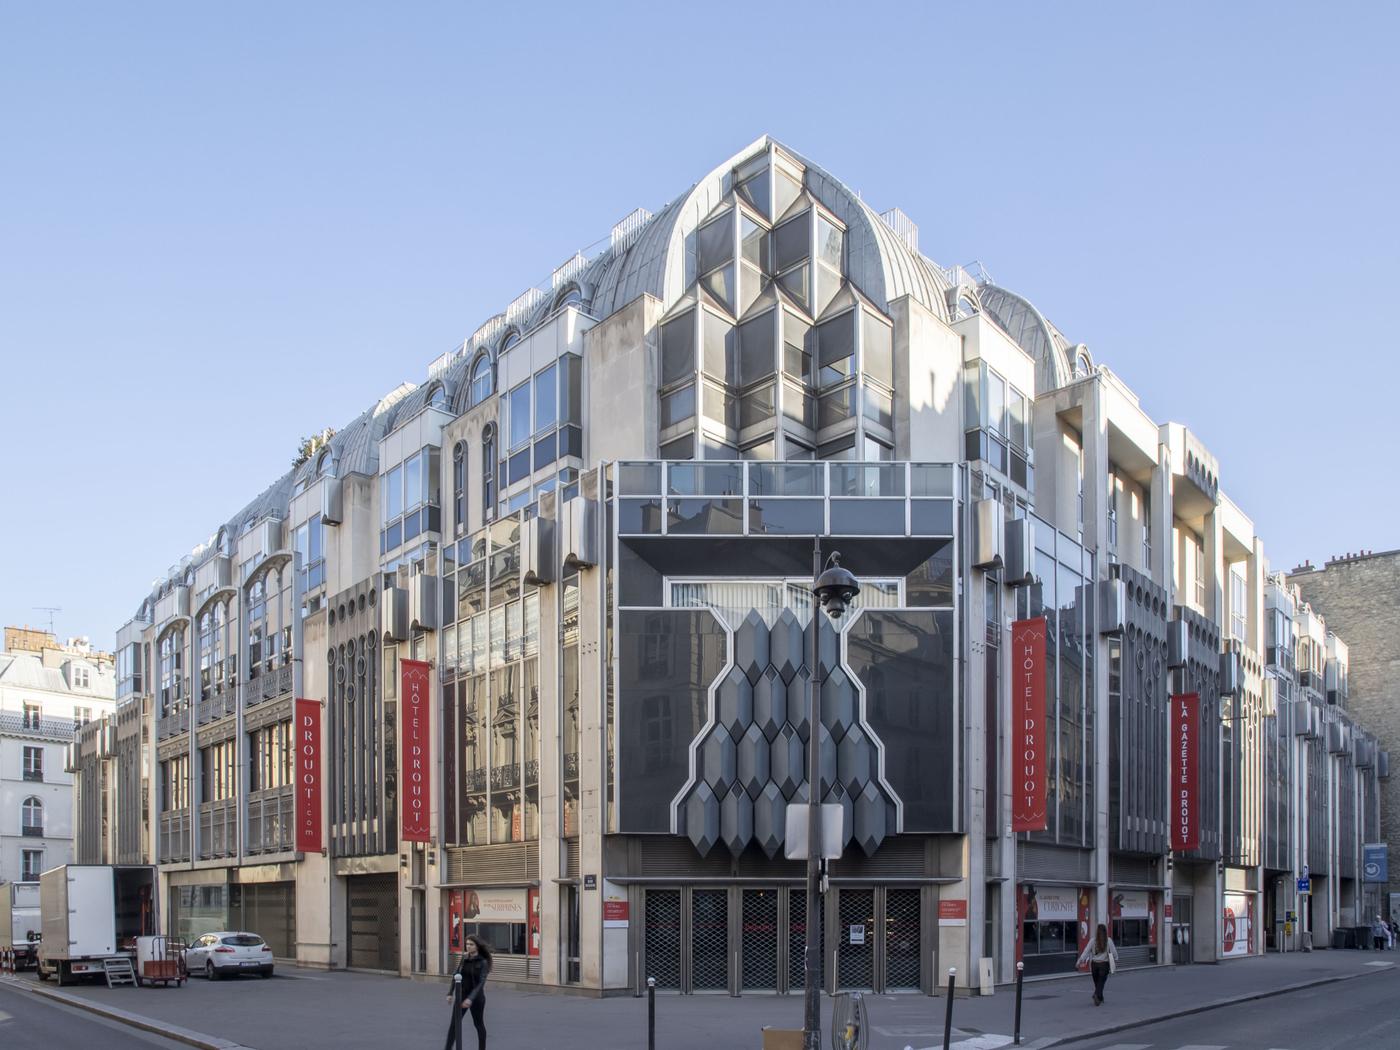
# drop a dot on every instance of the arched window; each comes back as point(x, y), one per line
point(459, 487)
point(259, 647)
point(488, 473)
point(512, 337)
point(481, 380)
point(32, 817)
point(437, 398)
point(570, 296)
point(323, 461)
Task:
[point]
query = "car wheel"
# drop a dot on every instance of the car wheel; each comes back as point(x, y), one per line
point(265, 974)
point(209, 972)
point(43, 973)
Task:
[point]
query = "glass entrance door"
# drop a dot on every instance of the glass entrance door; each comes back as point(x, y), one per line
point(855, 951)
point(758, 940)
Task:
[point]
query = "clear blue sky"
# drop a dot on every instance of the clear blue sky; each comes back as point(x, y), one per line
point(223, 226)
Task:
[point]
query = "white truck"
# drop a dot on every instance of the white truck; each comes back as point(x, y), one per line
point(92, 913)
point(19, 921)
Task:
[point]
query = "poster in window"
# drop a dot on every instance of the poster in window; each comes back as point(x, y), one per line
point(1236, 924)
point(1084, 913)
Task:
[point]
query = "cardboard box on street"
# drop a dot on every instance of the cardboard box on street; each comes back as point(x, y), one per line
point(782, 1038)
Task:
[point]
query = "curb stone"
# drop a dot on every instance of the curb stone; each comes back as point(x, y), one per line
point(131, 1020)
point(1201, 1008)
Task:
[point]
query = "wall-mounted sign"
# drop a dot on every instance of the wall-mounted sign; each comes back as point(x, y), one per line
point(1028, 809)
point(952, 913)
point(616, 914)
point(307, 717)
point(858, 933)
point(415, 768)
point(590, 882)
point(1376, 863)
point(1186, 825)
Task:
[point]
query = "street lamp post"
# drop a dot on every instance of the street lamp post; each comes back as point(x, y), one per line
point(832, 589)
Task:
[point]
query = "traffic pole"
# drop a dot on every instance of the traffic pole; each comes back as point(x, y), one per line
point(948, 1014)
point(651, 1013)
point(1020, 978)
point(457, 1011)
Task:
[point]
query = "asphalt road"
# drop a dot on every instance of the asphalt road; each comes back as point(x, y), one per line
point(1352, 1015)
point(28, 1022)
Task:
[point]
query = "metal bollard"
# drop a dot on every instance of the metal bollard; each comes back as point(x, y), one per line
point(1020, 977)
point(457, 1011)
point(651, 1013)
point(948, 1016)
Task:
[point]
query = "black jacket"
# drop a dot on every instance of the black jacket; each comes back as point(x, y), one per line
point(474, 972)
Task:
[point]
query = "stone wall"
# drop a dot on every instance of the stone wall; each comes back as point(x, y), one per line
point(1359, 597)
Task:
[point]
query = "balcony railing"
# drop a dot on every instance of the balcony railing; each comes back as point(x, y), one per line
point(474, 780)
point(34, 775)
point(270, 820)
point(30, 831)
point(174, 844)
point(215, 706)
point(173, 724)
point(272, 683)
point(36, 728)
point(571, 766)
point(218, 829)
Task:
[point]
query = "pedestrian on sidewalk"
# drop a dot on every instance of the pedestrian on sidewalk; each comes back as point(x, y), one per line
point(474, 969)
point(1102, 956)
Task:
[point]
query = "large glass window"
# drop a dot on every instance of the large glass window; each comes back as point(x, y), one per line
point(518, 416)
point(34, 763)
point(481, 380)
point(756, 360)
point(836, 347)
point(719, 348)
point(715, 243)
point(877, 348)
point(790, 241)
point(547, 397)
point(678, 348)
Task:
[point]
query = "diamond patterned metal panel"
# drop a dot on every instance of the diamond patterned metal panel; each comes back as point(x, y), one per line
point(759, 947)
point(753, 755)
point(718, 761)
point(709, 939)
point(736, 821)
point(902, 962)
point(787, 766)
point(838, 703)
point(855, 961)
point(769, 703)
point(855, 757)
point(751, 646)
point(869, 819)
point(769, 819)
point(662, 938)
point(797, 703)
point(827, 749)
point(702, 818)
point(734, 702)
point(786, 644)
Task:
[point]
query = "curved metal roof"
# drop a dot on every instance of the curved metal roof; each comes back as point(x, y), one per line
point(878, 260)
point(1035, 335)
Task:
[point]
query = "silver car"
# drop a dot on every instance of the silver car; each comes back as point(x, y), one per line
point(229, 953)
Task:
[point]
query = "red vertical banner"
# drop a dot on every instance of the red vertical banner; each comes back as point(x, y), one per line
point(1085, 917)
point(1186, 803)
point(415, 767)
point(306, 718)
point(1028, 811)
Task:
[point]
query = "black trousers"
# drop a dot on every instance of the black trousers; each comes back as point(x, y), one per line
point(1099, 971)
point(478, 1010)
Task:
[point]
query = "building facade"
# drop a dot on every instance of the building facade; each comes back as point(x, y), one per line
point(524, 649)
point(48, 691)
point(1359, 593)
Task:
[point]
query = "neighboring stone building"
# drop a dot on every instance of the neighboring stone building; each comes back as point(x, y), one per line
point(47, 691)
point(1359, 594)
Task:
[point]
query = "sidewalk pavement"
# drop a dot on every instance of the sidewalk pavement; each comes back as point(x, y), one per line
point(352, 1011)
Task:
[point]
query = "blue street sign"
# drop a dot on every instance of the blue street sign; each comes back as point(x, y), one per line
point(1375, 867)
point(1305, 884)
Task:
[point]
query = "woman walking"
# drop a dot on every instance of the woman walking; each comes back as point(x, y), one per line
point(473, 969)
point(1102, 957)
